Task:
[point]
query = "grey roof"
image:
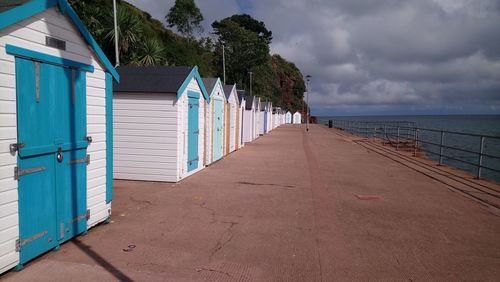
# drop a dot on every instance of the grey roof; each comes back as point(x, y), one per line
point(151, 79)
point(227, 90)
point(209, 84)
point(241, 95)
point(250, 102)
point(6, 5)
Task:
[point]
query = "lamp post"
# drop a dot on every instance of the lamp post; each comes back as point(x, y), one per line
point(308, 77)
point(250, 73)
point(223, 64)
point(117, 55)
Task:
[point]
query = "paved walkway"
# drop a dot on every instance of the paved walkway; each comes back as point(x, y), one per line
point(287, 207)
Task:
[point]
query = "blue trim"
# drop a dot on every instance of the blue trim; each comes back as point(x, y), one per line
point(109, 138)
point(24, 11)
point(193, 94)
point(37, 56)
point(34, 7)
point(196, 75)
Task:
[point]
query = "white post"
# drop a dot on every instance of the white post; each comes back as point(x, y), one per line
point(117, 55)
point(223, 65)
point(250, 82)
point(308, 77)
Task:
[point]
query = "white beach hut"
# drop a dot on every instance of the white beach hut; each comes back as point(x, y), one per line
point(232, 115)
point(242, 117)
point(297, 118)
point(288, 117)
point(249, 119)
point(269, 116)
point(217, 118)
point(258, 117)
point(55, 129)
point(159, 123)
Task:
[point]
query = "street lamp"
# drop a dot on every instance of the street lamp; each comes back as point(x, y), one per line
point(250, 73)
point(308, 77)
point(223, 64)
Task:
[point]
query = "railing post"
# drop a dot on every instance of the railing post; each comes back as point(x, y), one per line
point(415, 144)
point(397, 141)
point(480, 158)
point(441, 148)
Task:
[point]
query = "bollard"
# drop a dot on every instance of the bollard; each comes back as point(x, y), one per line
point(330, 123)
point(480, 165)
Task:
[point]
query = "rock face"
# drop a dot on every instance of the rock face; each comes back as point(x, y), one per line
point(289, 83)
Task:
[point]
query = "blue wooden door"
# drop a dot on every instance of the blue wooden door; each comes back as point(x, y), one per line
point(218, 128)
point(51, 122)
point(265, 121)
point(193, 131)
point(71, 143)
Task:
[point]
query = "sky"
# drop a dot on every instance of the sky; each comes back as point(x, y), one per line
point(380, 57)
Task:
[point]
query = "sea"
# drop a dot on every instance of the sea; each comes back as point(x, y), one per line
point(486, 125)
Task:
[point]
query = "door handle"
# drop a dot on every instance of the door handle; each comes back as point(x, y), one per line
point(59, 155)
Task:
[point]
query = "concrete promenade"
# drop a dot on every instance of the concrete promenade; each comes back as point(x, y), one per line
point(289, 206)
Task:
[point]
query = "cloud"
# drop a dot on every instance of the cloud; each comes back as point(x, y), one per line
point(381, 56)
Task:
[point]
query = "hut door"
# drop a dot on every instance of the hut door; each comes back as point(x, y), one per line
point(193, 132)
point(51, 172)
point(218, 128)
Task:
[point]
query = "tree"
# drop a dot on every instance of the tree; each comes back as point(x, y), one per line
point(150, 53)
point(185, 17)
point(130, 30)
point(246, 44)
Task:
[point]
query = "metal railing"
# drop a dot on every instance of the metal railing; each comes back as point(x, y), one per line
point(405, 135)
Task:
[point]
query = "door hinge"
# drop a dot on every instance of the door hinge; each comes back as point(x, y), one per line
point(81, 161)
point(89, 139)
point(88, 214)
point(15, 147)
point(18, 245)
point(20, 172)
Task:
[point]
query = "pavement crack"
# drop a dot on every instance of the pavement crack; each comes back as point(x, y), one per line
point(140, 201)
point(214, 270)
point(265, 184)
point(224, 239)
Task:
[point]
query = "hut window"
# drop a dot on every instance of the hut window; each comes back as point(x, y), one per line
point(55, 43)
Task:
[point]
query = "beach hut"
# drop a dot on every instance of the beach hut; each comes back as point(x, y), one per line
point(159, 123)
point(269, 116)
point(276, 117)
point(258, 117)
point(218, 117)
point(249, 119)
point(262, 118)
point(288, 117)
point(297, 118)
point(232, 117)
point(241, 113)
point(55, 129)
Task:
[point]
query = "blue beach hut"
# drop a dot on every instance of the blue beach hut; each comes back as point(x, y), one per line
point(55, 129)
point(159, 123)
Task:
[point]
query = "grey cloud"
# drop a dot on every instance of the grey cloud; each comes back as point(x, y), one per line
point(382, 56)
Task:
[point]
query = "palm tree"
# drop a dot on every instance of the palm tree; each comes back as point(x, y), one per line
point(150, 53)
point(129, 30)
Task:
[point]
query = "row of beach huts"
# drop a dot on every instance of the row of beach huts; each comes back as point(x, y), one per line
point(70, 123)
point(169, 123)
